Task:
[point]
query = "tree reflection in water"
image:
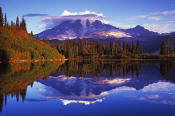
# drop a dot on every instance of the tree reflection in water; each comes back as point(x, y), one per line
point(15, 78)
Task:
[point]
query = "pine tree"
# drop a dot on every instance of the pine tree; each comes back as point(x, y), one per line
point(5, 20)
point(111, 47)
point(17, 21)
point(1, 17)
point(163, 48)
point(23, 24)
point(31, 33)
point(138, 50)
point(125, 49)
point(170, 48)
point(99, 47)
point(106, 49)
point(133, 47)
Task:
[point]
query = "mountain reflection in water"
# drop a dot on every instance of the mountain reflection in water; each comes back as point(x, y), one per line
point(90, 82)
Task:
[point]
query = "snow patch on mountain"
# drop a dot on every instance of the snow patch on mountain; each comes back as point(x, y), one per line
point(88, 28)
point(72, 29)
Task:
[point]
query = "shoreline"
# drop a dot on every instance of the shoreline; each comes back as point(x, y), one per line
point(129, 59)
point(34, 60)
point(81, 59)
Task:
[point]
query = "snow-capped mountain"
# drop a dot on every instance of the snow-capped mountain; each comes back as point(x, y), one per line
point(72, 29)
point(96, 29)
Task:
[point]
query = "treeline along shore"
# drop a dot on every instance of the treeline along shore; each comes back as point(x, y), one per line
point(113, 49)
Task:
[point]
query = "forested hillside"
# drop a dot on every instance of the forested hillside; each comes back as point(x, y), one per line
point(16, 44)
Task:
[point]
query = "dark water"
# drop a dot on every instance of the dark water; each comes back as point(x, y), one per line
point(124, 88)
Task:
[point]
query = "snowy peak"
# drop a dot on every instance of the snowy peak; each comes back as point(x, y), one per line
point(107, 34)
point(72, 29)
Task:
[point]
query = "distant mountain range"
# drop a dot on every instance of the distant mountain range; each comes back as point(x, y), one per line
point(87, 30)
point(89, 90)
point(73, 29)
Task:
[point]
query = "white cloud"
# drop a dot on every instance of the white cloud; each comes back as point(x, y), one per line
point(52, 21)
point(148, 17)
point(159, 86)
point(68, 13)
point(155, 18)
point(153, 96)
point(123, 88)
point(155, 15)
point(163, 28)
point(66, 102)
point(143, 16)
point(168, 12)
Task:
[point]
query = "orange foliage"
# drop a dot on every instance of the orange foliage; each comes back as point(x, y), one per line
point(18, 54)
point(19, 67)
point(38, 41)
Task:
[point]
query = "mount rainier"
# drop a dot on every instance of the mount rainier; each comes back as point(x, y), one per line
point(73, 29)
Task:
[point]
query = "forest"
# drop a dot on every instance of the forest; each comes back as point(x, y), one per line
point(17, 44)
point(116, 49)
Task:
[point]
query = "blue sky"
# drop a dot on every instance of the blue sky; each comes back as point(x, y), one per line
point(155, 15)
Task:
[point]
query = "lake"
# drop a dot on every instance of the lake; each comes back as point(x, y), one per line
point(88, 88)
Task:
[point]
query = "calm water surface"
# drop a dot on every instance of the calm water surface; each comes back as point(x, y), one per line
point(124, 88)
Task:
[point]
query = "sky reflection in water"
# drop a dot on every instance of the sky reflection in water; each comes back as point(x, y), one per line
point(89, 91)
point(150, 91)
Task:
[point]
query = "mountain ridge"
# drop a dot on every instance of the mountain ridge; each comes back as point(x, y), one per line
point(72, 29)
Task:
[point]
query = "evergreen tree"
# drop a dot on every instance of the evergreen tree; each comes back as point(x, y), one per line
point(116, 47)
point(133, 47)
point(23, 24)
point(111, 47)
point(119, 47)
point(125, 50)
point(99, 47)
point(138, 50)
point(31, 33)
point(1, 17)
point(163, 48)
point(17, 21)
point(106, 49)
point(170, 48)
point(5, 20)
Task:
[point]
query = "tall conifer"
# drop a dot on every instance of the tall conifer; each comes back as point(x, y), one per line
point(17, 21)
point(23, 24)
point(1, 17)
point(5, 20)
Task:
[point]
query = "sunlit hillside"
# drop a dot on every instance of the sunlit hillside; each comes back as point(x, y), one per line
point(17, 44)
